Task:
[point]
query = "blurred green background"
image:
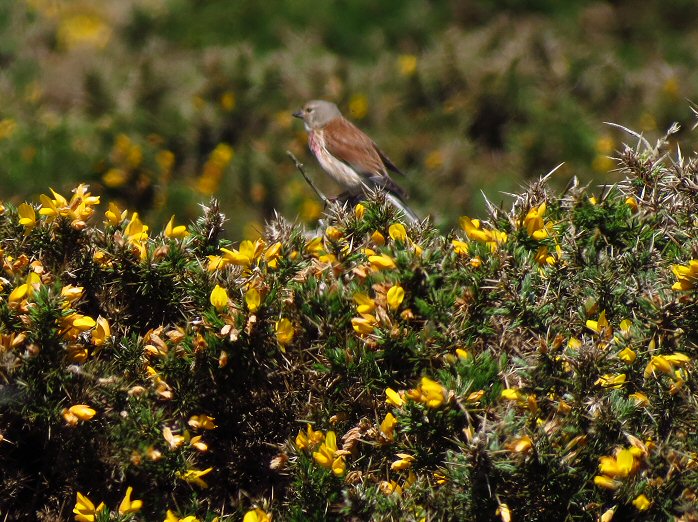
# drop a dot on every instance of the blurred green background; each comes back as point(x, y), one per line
point(159, 104)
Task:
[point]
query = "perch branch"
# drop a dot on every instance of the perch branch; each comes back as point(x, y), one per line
point(300, 168)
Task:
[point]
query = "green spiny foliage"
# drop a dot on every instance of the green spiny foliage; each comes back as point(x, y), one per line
point(539, 364)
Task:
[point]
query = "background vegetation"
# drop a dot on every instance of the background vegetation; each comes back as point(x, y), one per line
point(134, 97)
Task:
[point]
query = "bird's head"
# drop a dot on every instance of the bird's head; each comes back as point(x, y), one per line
point(317, 113)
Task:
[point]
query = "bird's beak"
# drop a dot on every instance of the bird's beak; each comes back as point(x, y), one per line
point(298, 114)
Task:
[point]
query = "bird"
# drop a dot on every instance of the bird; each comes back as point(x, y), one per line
point(348, 155)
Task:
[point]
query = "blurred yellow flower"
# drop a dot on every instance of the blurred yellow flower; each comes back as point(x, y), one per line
point(7, 128)
point(407, 64)
point(228, 101)
point(359, 211)
point(358, 106)
point(601, 326)
point(83, 29)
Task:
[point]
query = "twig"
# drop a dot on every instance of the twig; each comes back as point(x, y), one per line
point(300, 168)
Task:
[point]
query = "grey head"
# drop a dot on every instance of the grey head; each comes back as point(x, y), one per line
point(317, 113)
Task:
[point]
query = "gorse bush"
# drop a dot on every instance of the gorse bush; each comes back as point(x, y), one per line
point(536, 365)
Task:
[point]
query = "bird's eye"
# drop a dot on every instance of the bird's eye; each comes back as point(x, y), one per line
point(309, 109)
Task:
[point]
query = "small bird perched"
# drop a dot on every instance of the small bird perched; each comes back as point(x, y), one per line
point(348, 155)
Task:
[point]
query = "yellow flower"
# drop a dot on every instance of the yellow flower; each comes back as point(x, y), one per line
point(193, 476)
point(621, 465)
point(228, 101)
point(308, 438)
point(405, 462)
point(283, 329)
point(174, 441)
point(686, 275)
point(219, 298)
point(78, 412)
point(640, 398)
point(601, 326)
point(395, 296)
point(512, 394)
point(605, 482)
point(407, 64)
point(632, 203)
point(129, 506)
point(627, 355)
point(394, 398)
point(364, 325)
point(172, 517)
point(85, 510)
point(202, 422)
point(492, 238)
point(504, 512)
point(252, 299)
point(611, 381)
point(428, 392)
point(666, 364)
point(463, 355)
point(359, 211)
point(326, 455)
point(136, 231)
point(460, 247)
point(520, 445)
point(27, 217)
point(398, 232)
point(607, 515)
point(381, 262)
point(358, 106)
point(378, 238)
point(364, 304)
point(102, 332)
point(388, 426)
point(642, 503)
point(175, 232)
point(256, 515)
point(333, 233)
point(534, 224)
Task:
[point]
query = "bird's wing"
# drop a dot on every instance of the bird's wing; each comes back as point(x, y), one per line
point(346, 142)
point(349, 144)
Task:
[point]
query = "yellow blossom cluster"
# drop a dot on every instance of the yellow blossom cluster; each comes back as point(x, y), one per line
point(327, 455)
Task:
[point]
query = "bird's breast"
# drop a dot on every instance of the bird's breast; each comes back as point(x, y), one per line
point(341, 172)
